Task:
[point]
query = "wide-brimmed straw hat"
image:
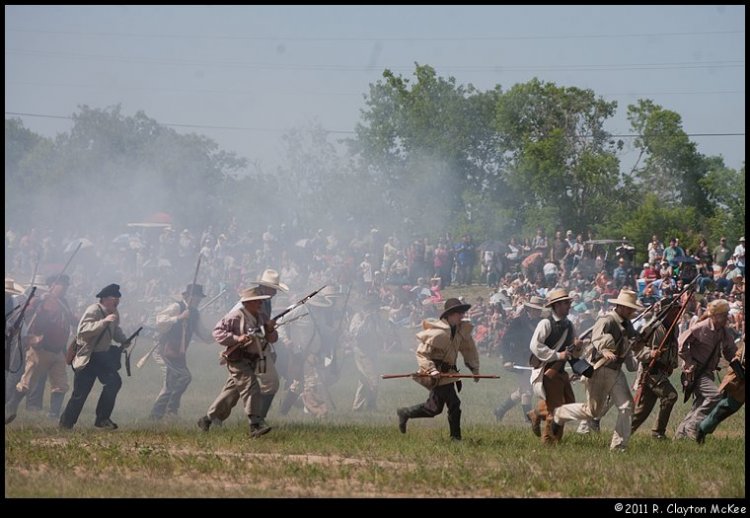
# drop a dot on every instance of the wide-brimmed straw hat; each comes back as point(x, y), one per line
point(627, 298)
point(331, 291)
point(12, 287)
point(557, 295)
point(535, 303)
point(252, 294)
point(454, 306)
point(272, 279)
point(718, 306)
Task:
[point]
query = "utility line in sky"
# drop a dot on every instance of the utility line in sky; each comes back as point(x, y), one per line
point(377, 38)
point(278, 92)
point(201, 126)
point(498, 68)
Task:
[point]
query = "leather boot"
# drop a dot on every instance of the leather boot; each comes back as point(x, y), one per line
point(11, 407)
point(526, 409)
point(406, 413)
point(55, 404)
point(454, 422)
point(503, 408)
point(265, 403)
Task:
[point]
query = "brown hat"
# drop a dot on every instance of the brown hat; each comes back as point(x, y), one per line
point(535, 303)
point(252, 294)
point(454, 306)
point(627, 298)
point(557, 295)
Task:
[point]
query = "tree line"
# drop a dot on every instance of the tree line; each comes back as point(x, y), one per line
point(428, 156)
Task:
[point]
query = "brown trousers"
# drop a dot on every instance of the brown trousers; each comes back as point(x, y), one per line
point(559, 392)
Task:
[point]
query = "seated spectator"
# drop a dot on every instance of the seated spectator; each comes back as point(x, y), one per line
point(649, 296)
point(649, 273)
point(620, 275)
point(738, 286)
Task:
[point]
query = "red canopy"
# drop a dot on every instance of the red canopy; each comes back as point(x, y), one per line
point(160, 217)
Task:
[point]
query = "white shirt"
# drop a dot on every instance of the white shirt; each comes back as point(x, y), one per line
point(739, 255)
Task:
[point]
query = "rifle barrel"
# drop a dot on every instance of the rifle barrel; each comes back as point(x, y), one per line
point(442, 375)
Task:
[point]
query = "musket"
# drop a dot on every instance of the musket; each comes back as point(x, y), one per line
point(291, 320)
point(183, 342)
point(36, 312)
point(9, 313)
point(660, 349)
point(648, 309)
point(226, 354)
point(15, 328)
point(142, 361)
point(213, 299)
point(298, 303)
point(124, 348)
point(441, 375)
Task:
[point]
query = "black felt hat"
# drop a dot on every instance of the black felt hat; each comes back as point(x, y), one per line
point(112, 290)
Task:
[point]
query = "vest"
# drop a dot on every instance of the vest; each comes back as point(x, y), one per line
point(171, 341)
point(558, 328)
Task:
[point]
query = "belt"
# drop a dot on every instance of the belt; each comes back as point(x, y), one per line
point(444, 367)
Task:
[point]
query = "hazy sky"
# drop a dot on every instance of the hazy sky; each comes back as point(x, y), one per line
point(264, 69)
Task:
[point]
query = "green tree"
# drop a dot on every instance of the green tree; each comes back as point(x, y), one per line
point(130, 165)
point(725, 188)
point(425, 144)
point(560, 161)
point(654, 216)
point(672, 166)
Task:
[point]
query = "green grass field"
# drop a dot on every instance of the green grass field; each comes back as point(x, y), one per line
point(350, 454)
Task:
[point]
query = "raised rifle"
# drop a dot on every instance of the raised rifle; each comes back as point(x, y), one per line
point(70, 259)
point(662, 345)
point(142, 361)
point(228, 352)
point(125, 348)
point(212, 300)
point(185, 323)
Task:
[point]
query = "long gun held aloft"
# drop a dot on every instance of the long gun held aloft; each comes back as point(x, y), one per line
point(124, 348)
point(185, 323)
point(664, 341)
point(581, 366)
point(226, 354)
point(59, 275)
point(142, 361)
point(212, 300)
point(441, 375)
point(298, 303)
point(654, 325)
point(15, 329)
